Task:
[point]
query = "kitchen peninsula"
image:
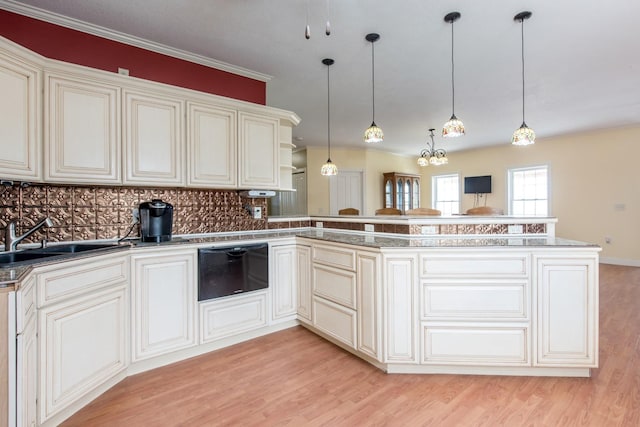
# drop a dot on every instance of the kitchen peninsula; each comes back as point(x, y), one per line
point(468, 304)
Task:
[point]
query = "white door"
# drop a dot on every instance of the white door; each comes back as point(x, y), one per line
point(345, 191)
point(295, 202)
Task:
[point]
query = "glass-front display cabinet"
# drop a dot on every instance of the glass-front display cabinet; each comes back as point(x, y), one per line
point(401, 190)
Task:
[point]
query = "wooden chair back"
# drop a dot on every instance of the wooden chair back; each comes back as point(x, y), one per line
point(388, 211)
point(423, 211)
point(349, 211)
point(485, 210)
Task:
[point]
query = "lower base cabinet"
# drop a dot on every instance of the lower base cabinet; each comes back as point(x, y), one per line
point(82, 345)
point(163, 303)
point(27, 375)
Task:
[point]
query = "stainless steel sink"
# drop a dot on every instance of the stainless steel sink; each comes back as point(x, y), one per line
point(22, 257)
point(74, 248)
point(33, 256)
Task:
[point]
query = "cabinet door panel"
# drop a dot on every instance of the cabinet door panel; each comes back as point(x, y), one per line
point(83, 345)
point(336, 285)
point(282, 283)
point(259, 152)
point(212, 147)
point(20, 119)
point(164, 304)
point(231, 316)
point(369, 331)
point(400, 309)
point(567, 324)
point(303, 266)
point(154, 142)
point(82, 140)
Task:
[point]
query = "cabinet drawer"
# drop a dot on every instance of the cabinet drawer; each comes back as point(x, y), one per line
point(335, 320)
point(335, 256)
point(475, 300)
point(479, 345)
point(336, 285)
point(474, 265)
point(80, 277)
point(233, 315)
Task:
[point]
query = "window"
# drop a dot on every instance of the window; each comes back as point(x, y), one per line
point(445, 191)
point(529, 191)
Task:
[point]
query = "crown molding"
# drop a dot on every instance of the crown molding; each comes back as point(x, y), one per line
point(96, 30)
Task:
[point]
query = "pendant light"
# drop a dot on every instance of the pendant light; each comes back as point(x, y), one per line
point(524, 135)
point(432, 156)
point(373, 132)
point(454, 127)
point(328, 169)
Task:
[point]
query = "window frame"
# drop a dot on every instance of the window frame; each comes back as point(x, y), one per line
point(434, 192)
point(510, 187)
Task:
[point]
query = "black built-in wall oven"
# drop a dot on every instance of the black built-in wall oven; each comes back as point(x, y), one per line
point(230, 270)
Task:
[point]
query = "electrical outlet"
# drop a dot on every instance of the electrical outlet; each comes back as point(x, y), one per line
point(368, 227)
point(607, 240)
point(257, 212)
point(135, 216)
point(319, 224)
point(514, 229)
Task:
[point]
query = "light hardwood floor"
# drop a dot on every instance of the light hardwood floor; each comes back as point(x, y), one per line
point(296, 378)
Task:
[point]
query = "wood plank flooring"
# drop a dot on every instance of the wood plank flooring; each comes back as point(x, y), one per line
point(295, 378)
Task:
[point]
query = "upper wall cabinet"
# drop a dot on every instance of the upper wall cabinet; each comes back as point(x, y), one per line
point(153, 135)
point(211, 146)
point(20, 117)
point(259, 152)
point(82, 133)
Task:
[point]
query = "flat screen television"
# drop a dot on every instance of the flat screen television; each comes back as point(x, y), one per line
point(477, 184)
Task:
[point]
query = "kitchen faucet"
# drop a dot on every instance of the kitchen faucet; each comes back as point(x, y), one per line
point(11, 240)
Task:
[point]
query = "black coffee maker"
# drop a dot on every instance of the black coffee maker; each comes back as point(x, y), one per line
point(156, 221)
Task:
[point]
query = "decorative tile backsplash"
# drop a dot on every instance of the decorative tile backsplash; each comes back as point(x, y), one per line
point(88, 213)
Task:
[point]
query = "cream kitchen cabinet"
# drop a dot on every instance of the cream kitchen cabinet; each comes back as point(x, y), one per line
point(369, 289)
point(20, 114)
point(259, 151)
point(567, 314)
point(163, 298)
point(153, 138)
point(83, 330)
point(283, 272)
point(475, 308)
point(27, 350)
point(212, 146)
point(400, 308)
point(303, 275)
point(82, 134)
point(229, 316)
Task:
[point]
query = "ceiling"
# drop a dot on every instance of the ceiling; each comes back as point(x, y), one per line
point(582, 61)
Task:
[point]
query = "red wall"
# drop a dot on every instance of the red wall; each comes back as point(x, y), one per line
point(56, 42)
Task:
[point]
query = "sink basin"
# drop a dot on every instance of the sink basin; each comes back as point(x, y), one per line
point(33, 256)
point(72, 248)
point(22, 257)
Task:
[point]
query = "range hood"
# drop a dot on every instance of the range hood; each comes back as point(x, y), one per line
point(252, 194)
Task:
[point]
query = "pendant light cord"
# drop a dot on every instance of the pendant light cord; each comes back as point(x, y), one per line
point(453, 86)
point(328, 116)
point(373, 81)
point(522, 51)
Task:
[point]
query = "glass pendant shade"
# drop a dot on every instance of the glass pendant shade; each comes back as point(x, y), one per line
point(329, 169)
point(454, 127)
point(423, 161)
point(524, 135)
point(373, 134)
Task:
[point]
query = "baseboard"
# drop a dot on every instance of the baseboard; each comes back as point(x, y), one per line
point(620, 261)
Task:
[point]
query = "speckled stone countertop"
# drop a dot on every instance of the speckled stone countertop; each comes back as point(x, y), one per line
point(374, 240)
point(9, 276)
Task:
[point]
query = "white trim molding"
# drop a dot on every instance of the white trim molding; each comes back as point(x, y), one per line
point(620, 261)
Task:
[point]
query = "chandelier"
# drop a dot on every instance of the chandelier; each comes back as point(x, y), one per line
point(432, 156)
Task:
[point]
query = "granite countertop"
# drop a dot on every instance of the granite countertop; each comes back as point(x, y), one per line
point(9, 276)
point(375, 240)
